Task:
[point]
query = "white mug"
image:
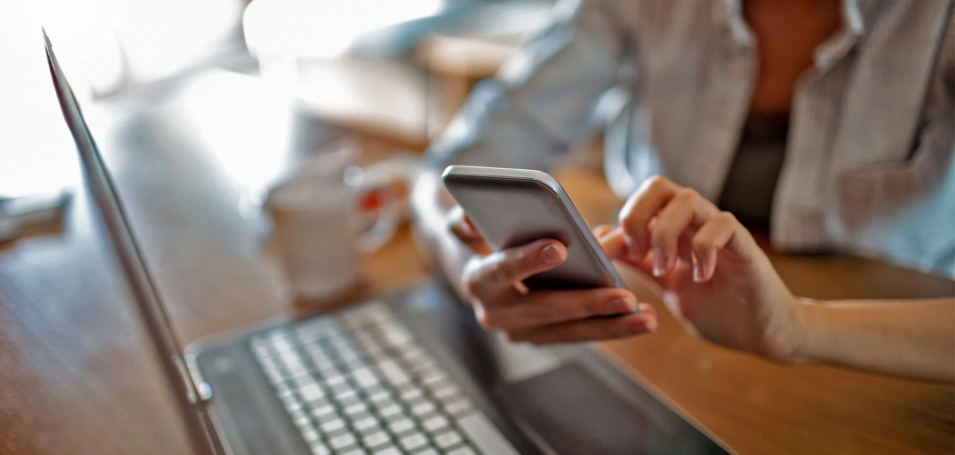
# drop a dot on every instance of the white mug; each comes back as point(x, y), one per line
point(321, 233)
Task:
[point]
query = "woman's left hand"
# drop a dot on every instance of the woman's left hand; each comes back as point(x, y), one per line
point(713, 274)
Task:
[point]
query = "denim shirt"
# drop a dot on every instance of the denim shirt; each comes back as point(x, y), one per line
point(869, 156)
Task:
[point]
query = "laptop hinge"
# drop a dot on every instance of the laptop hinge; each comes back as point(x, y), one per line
point(184, 376)
point(203, 389)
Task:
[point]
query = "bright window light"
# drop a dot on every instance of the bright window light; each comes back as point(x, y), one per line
point(323, 28)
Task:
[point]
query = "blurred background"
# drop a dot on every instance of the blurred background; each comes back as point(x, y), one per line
point(263, 82)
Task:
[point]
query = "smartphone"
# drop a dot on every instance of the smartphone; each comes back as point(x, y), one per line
point(513, 207)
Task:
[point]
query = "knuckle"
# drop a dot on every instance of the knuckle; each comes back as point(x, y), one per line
point(629, 223)
point(661, 235)
point(657, 182)
point(488, 321)
point(701, 243)
point(527, 260)
point(597, 304)
point(727, 217)
point(498, 273)
point(686, 194)
point(470, 280)
point(501, 271)
point(540, 313)
point(472, 287)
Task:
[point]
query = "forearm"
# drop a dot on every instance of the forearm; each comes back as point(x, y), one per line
point(431, 203)
point(915, 338)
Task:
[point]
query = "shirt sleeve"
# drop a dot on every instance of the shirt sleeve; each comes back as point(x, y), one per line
point(537, 107)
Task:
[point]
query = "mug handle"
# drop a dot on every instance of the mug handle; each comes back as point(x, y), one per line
point(385, 198)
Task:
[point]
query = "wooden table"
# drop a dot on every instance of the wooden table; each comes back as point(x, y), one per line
point(77, 374)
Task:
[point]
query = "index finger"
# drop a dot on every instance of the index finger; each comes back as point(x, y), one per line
point(502, 269)
point(464, 230)
point(653, 194)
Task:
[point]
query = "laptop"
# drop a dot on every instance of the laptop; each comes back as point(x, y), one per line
point(406, 373)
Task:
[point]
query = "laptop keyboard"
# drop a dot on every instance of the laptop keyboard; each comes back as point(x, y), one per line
point(357, 383)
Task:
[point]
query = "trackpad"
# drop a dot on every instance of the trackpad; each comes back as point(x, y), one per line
point(575, 413)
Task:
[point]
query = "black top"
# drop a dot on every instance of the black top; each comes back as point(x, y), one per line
point(751, 181)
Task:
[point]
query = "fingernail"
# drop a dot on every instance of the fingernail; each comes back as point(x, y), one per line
point(643, 326)
point(623, 305)
point(698, 271)
point(632, 250)
point(671, 262)
point(552, 255)
point(659, 263)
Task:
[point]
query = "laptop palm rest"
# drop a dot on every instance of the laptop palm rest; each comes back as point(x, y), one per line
point(575, 413)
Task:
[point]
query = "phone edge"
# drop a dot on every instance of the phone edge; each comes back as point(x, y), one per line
point(552, 184)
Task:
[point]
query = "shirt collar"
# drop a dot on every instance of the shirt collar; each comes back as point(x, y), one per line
point(852, 17)
point(730, 12)
point(838, 46)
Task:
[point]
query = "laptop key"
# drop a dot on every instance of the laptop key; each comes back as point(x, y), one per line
point(365, 423)
point(390, 411)
point(388, 451)
point(356, 409)
point(413, 441)
point(311, 392)
point(423, 409)
point(446, 392)
point(342, 441)
point(411, 394)
point(333, 425)
point(400, 426)
point(435, 423)
point(447, 439)
point(364, 377)
point(310, 435)
point(393, 373)
point(345, 395)
point(462, 451)
point(381, 398)
point(325, 413)
point(336, 380)
point(458, 407)
point(375, 439)
point(482, 433)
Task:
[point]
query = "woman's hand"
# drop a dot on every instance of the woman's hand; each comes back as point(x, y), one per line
point(713, 274)
point(492, 283)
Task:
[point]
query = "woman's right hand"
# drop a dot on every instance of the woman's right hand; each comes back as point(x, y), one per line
point(492, 282)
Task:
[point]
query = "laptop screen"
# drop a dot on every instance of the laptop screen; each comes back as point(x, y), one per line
point(134, 269)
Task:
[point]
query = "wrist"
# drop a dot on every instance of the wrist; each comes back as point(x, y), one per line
point(804, 321)
point(786, 338)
